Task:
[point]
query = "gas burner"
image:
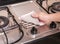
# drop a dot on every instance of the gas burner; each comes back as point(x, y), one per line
point(8, 24)
point(55, 7)
point(4, 21)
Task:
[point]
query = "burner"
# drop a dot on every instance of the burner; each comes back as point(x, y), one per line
point(8, 25)
point(55, 7)
point(3, 21)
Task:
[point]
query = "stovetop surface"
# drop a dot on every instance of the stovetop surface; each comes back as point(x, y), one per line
point(22, 9)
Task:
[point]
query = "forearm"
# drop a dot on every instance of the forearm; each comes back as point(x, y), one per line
point(55, 17)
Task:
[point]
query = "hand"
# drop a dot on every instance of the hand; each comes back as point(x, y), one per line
point(44, 17)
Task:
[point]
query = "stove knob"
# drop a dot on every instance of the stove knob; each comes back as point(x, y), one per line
point(53, 25)
point(33, 31)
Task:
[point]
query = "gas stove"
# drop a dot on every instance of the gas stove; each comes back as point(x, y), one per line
point(29, 25)
point(17, 25)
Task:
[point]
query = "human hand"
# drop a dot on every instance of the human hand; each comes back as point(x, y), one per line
point(43, 17)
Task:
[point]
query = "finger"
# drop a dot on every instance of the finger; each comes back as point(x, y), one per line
point(35, 15)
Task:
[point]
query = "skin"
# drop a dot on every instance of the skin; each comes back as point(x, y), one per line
point(47, 18)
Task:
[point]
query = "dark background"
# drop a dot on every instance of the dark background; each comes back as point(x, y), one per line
point(52, 39)
point(6, 2)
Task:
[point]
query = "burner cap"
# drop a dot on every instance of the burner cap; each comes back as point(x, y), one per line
point(3, 21)
point(56, 6)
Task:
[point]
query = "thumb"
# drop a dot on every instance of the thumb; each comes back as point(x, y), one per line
point(35, 15)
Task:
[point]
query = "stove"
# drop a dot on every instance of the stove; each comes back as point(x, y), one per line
point(17, 25)
point(29, 25)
